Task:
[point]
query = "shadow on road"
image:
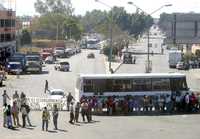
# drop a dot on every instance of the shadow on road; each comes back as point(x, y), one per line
point(52, 131)
point(62, 130)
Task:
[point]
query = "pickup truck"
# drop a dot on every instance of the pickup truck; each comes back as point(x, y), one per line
point(33, 63)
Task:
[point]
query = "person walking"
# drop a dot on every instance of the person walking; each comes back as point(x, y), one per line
point(5, 115)
point(24, 114)
point(55, 116)
point(46, 87)
point(45, 118)
point(71, 121)
point(27, 116)
point(15, 114)
point(5, 97)
point(9, 117)
point(77, 110)
point(69, 100)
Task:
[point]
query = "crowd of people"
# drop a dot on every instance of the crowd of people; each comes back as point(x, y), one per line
point(155, 104)
point(20, 107)
point(11, 113)
point(110, 105)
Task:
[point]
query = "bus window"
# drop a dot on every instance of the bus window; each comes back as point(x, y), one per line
point(161, 84)
point(88, 86)
point(126, 85)
point(141, 85)
point(117, 85)
point(109, 85)
point(99, 86)
point(178, 84)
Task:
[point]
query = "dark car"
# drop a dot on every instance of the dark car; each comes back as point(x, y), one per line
point(91, 55)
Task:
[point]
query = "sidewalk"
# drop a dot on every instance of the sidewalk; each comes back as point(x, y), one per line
point(114, 65)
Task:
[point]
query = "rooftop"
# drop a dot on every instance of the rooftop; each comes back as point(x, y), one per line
point(137, 75)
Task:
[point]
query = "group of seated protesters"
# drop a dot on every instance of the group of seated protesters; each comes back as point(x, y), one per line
point(154, 104)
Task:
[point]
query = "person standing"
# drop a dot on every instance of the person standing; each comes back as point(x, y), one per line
point(77, 110)
point(24, 114)
point(27, 116)
point(45, 118)
point(4, 114)
point(187, 102)
point(5, 97)
point(46, 87)
point(71, 121)
point(69, 100)
point(55, 116)
point(9, 117)
point(23, 98)
point(15, 96)
point(15, 114)
point(84, 110)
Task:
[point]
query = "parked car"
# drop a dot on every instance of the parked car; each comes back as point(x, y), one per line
point(14, 68)
point(62, 66)
point(91, 55)
point(56, 94)
point(59, 52)
point(182, 66)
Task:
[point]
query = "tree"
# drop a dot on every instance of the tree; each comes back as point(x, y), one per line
point(99, 21)
point(56, 19)
point(25, 37)
point(54, 6)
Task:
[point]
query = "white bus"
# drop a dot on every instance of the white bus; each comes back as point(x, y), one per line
point(103, 85)
point(175, 56)
point(93, 44)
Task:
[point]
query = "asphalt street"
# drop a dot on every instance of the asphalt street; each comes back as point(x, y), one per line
point(33, 84)
point(106, 127)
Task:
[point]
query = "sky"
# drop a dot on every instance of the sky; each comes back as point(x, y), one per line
point(26, 7)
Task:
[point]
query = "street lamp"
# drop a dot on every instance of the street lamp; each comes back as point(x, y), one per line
point(148, 69)
point(111, 31)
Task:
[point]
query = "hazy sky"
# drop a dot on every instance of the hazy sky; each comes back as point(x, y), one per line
point(26, 7)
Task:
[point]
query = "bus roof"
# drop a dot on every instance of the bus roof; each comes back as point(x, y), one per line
point(136, 75)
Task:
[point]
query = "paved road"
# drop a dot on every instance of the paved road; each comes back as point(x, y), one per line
point(122, 127)
point(33, 85)
point(143, 127)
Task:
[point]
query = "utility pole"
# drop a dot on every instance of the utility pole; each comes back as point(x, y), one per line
point(111, 37)
point(174, 30)
point(56, 32)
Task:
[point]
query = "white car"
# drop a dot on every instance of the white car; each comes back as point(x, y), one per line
point(57, 94)
point(62, 66)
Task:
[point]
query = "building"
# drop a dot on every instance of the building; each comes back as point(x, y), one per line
point(181, 28)
point(7, 33)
